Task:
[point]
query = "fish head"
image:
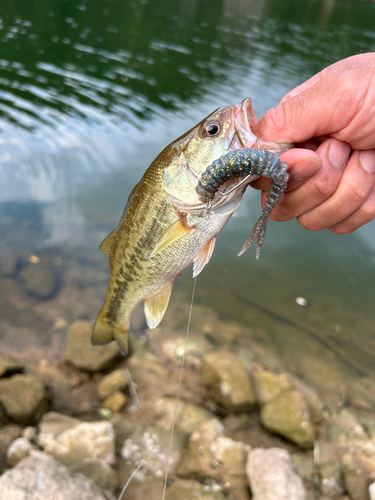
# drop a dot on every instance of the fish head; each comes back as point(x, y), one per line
point(226, 129)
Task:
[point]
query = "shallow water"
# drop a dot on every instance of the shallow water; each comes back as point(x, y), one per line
point(90, 92)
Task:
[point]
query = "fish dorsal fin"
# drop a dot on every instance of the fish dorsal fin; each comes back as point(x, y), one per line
point(173, 233)
point(204, 256)
point(156, 306)
point(107, 243)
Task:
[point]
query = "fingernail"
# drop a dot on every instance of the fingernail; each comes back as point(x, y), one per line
point(305, 168)
point(338, 154)
point(367, 161)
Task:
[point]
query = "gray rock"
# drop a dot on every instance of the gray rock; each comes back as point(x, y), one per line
point(209, 454)
point(40, 477)
point(331, 479)
point(268, 385)
point(7, 434)
point(271, 476)
point(9, 366)
point(84, 440)
point(8, 265)
point(371, 491)
point(98, 471)
point(24, 398)
point(185, 489)
point(114, 381)
point(18, 450)
point(287, 415)
point(40, 280)
point(81, 353)
point(227, 381)
point(356, 485)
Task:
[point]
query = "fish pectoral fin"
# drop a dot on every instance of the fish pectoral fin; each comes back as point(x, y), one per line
point(173, 233)
point(156, 306)
point(103, 333)
point(107, 243)
point(204, 256)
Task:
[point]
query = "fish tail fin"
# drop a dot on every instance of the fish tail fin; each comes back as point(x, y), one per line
point(105, 331)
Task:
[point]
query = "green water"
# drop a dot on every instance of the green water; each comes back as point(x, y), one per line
point(90, 92)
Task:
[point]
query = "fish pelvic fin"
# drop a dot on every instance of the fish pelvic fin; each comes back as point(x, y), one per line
point(107, 243)
point(156, 306)
point(204, 256)
point(173, 233)
point(105, 332)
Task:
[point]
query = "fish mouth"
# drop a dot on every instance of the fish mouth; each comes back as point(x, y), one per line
point(243, 118)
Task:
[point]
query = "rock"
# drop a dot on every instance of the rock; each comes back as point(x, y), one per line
point(81, 353)
point(114, 381)
point(209, 454)
point(312, 400)
point(98, 471)
point(185, 489)
point(9, 366)
point(331, 479)
point(3, 417)
point(142, 444)
point(356, 485)
point(71, 442)
point(115, 402)
point(8, 265)
point(40, 477)
point(345, 429)
point(268, 385)
point(18, 450)
point(187, 418)
point(40, 280)
point(23, 397)
point(7, 434)
point(227, 381)
point(287, 416)
point(371, 491)
point(303, 465)
point(271, 476)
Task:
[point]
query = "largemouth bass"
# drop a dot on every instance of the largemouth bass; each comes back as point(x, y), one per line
point(165, 226)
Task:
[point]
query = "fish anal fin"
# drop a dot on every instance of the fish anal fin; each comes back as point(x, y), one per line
point(156, 306)
point(173, 233)
point(107, 243)
point(204, 256)
point(104, 332)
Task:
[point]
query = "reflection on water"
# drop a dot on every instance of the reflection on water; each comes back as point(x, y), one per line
point(90, 92)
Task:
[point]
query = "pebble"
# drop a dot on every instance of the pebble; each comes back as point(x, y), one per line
point(40, 280)
point(356, 484)
point(23, 398)
point(227, 381)
point(115, 402)
point(114, 381)
point(7, 434)
point(27, 481)
point(271, 476)
point(81, 353)
point(287, 416)
point(331, 479)
point(268, 385)
point(18, 450)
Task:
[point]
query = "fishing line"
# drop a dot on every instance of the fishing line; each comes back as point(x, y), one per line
point(178, 390)
point(143, 462)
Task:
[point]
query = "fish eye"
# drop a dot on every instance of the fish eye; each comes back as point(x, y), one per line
point(211, 128)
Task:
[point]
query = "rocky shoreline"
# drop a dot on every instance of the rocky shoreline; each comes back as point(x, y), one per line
point(243, 429)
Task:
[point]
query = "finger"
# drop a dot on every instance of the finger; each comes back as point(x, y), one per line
point(355, 186)
point(364, 214)
point(334, 155)
point(302, 164)
point(305, 85)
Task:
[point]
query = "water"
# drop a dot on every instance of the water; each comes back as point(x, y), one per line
point(90, 92)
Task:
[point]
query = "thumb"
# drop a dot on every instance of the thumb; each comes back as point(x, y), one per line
point(319, 110)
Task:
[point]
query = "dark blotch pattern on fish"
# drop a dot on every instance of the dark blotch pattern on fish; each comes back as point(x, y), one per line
point(241, 163)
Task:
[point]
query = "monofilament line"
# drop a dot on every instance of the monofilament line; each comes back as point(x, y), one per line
point(178, 390)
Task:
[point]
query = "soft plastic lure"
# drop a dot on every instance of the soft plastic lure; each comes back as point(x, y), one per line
point(246, 163)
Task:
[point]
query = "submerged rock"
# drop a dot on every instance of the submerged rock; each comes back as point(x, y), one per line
point(81, 353)
point(186, 489)
point(114, 381)
point(40, 280)
point(268, 385)
point(23, 397)
point(115, 402)
point(40, 477)
point(18, 450)
point(271, 476)
point(356, 485)
point(9, 366)
point(371, 491)
point(7, 435)
point(227, 381)
point(331, 479)
point(187, 418)
point(287, 416)
point(8, 265)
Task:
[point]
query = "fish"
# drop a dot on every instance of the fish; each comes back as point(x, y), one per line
point(165, 227)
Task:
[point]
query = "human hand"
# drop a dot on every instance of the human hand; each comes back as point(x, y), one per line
point(331, 118)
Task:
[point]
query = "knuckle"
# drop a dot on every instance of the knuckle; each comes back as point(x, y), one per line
point(310, 222)
point(275, 118)
point(324, 188)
